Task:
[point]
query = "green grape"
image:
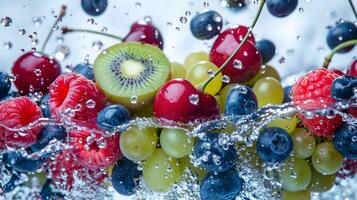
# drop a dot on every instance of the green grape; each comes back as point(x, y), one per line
point(195, 57)
point(160, 171)
point(199, 73)
point(300, 195)
point(39, 177)
point(321, 183)
point(177, 71)
point(176, 143)
point(296, 175)
point(265, 71)
point(223, 95)
point(326, 159)
point(145, 111)
point(268, 91)
point(286, 124)
point(304, 144)
point(199, 172)
point(138, 144)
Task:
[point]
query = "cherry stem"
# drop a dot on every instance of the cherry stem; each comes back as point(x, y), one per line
point(343, 45)
point(58, 19)
point(353, 8)
point(71, 30)
point(236, 50)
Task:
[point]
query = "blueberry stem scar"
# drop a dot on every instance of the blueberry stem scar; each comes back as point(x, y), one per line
point(236, 50)
point(353, 8)
point(343, 45)
point(71, 30)
point(59, 18)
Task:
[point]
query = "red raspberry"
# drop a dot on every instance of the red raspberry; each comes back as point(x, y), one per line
point(93, 150)
point(315, 87)
point(73, 91)
point(16, 113)
point(349, 169)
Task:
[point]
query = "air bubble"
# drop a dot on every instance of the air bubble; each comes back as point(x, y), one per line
point(7, 45)
point(21, 31)
point(134, 99)
point(194, 99)
point(237, 64)
point(90, 20)
point(37, 21)
point(62, 52)
point(206, 4)
point(183, 19)
point(37, 72)
point(138, 4)
point(210, 73)
point(6, 21)
point(101, 143)
point(90, 103)
point(301, 10)
point(188, 13)
point(225, 79)
point(97, 45)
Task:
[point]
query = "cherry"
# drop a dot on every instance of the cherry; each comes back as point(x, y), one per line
point(146, 32)
point(180, 101)
point(245, 64)
point(352, 70)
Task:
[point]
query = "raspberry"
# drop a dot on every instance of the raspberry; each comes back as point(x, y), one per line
point(93, 150)
point(349, 168)
point(313, 91)
point(73, 91)
point(16, 113)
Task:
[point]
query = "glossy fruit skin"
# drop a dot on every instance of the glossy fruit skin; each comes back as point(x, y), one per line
point(145, 32)
point(94, 7)
point(302, 171)
point(48, 133)
point(12, 94)
point(321, 183)
point(281, 8)
point(21, 163)
point(345, 141)
point(85, 69)
point(266, 49)
point(313, 90)
point(240, 100)
point(326, 159)
point(268, 90)
point(248, 55)
point(265, 71)
point(125, 177)
point(5, 84)
point(352, 70)
point(210, 144)
point(287, 91)
point(304, 144)
point(175, 94)
point(274, 145)
point(112, 116)
point(34, 72)
point(340, 33)
point(175, 142)
point(206, 25)
point(194, 58)
point(221, 186)
point(343, 87)
point(300, 195)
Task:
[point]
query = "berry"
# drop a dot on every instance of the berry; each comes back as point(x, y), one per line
point(240, 100)
point(34, 72)
point(93, 150)
point(349, 168)
point(266, 49)
point(313, 90)
point(112, 116)
point(11, 95)
point(214, 157)
point(16, 113)
point(5, 84)
point(146, 32)
point(85, 69)
point(22, 163)
point(94, 7)
point(343, 87)
point(287, 91)
point(223, 185)
point(345, 141)
point(206, 25)
point(45, 107)
point(49, 133)
point(342, 32)
point(352, 70)
point(281, 8)
point(125, 177)
point(193, 104)
point(274, 145)
point(73, 91)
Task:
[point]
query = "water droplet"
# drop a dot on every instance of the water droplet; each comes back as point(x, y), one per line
point(205, 4)
point(188, 13)
point(138, 4)
point(6, 21)
point(237, 64)
point(354, 138)
point(7, 45)
point(298, 37)
point(62, 52)
point(225, 79)
point(37, 72)
point(168, 23)
point(209, 27)
point(21, 31)
point(134, 99)
point(301, 10)
point(282, 60)
point(194, 99)
point(37, 21)
point(104, 29)
point(90, 103)
point(68, 68)
point(183, 19)
point(97, 45)
point(210, 73)
point(147, 19)
point(101, 143)
point(90, 20)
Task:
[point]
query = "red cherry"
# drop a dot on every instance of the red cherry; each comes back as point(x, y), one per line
point(146, 32)
point(337, 71)
point(175, 101)
point(34, 72)
point(245, 64)
point(352, 70)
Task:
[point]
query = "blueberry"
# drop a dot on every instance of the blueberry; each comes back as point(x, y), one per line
point(48, 133)
point(112, 116)
point(266, 48)
point(221, 186)
point(85, 69)
point(340, 33)
point(94, 7)
point(281, 8)
point(240, 100)
point(287, 91)
point(47, 193)
point(5, 84)
point(45, 107)
point(212, 155)
point(345, 141)
point(274, 145)
point(21, 163)
point(125, 177)
point(11, 95)
point(343, 87)
point(206, 25)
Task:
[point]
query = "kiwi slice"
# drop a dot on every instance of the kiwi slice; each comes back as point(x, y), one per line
point(131, 73)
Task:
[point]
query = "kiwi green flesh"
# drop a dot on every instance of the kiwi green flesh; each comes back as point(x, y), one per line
point(120, 83)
